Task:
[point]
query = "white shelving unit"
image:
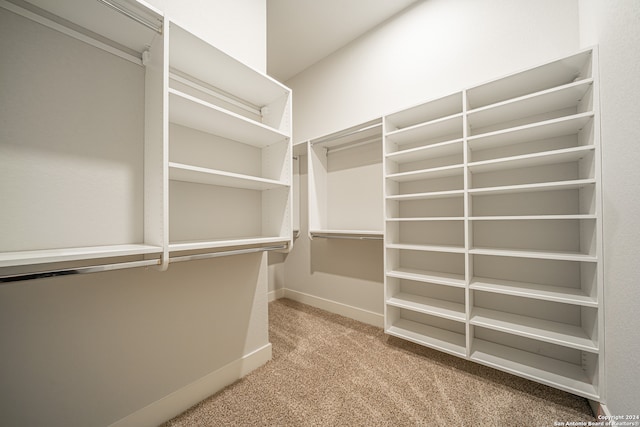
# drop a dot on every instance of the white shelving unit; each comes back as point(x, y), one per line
point(493, 230)
point(345, 197)
point(230, 154)
point(133, 138)
point(299, 150)
point(73, 154)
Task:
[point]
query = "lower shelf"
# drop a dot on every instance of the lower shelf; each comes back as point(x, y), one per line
point(429, 336)
point(530, 327)
point(44, 256)
point(556, 373)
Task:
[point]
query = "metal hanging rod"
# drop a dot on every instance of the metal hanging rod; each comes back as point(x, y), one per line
point(349, 145)
point(347, 237)
point(225, 253)
point(201, 86)
point(130, 264)
point(77, 270)
point(342, 134)
point(157, 27)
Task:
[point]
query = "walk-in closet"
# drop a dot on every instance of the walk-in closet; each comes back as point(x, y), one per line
point(347, 212)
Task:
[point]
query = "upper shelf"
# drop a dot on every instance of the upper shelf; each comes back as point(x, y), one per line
point(563, 126)
point(529, 105)
point(97, 18)
point(11, 259)
point(437, 130)
point(189, 111)
point(423, 113)
point(197, 58)
point(556, 73)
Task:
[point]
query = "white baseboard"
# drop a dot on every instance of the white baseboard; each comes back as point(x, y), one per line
point(356, 313)
point(180, 400)
point(276, 294)
point(600, 410)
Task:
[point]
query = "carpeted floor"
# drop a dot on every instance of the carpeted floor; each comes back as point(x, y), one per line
point(328, 370)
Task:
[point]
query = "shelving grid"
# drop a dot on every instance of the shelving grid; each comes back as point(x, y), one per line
point(185, 148)
point(345, 187)
point(492, 225)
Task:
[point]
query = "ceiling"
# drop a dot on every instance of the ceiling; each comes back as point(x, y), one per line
point(302, 32)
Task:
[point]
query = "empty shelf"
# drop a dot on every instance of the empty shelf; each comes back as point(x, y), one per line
point(430, 336)
point(534, 290)
point(10, 259)
point(435, 307)
point(196, 174)
point(436, 277)
point(531, 327)
point(556, 373)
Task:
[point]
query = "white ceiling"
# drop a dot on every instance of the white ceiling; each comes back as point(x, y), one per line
point(302, 32)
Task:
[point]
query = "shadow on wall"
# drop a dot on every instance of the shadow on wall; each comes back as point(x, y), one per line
point(359, 259)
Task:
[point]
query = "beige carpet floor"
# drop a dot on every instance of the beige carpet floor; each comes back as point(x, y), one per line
point(328, 370)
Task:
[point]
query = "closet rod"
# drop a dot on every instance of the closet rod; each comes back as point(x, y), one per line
point(333, 236)
point(77, 270)
point(348, 146)
point(214, 91)
point(225, 253)
point(131, 264)
point(133, 15)
point(344, 133)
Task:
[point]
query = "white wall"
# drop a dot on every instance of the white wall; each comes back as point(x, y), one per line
point(238, 27)
point(135, 347)
point(434, 48)
point(615, 27)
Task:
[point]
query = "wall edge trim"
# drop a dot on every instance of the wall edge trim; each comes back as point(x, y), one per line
point(180, 400)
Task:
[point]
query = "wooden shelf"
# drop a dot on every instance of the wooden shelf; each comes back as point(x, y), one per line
point(532, 217)
point(438, 218)
point(427, 248)
point(440, 172)
point(429, 336)
point(91, 18)
point(546, 370)
point(569, 125)
point(543, 330)
point(433, 130)
point(189, 111)
point(442, 149)
point(538, 254)
point(566, 155)
point(426, 196)
point(44, 256)
point(433, 110)
point(196, 174)
point(435, 307)
point(553, 99)
point(437, 277)
point(557, 73)
point(197, 58)
point(523, 188)
point(575, 296)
